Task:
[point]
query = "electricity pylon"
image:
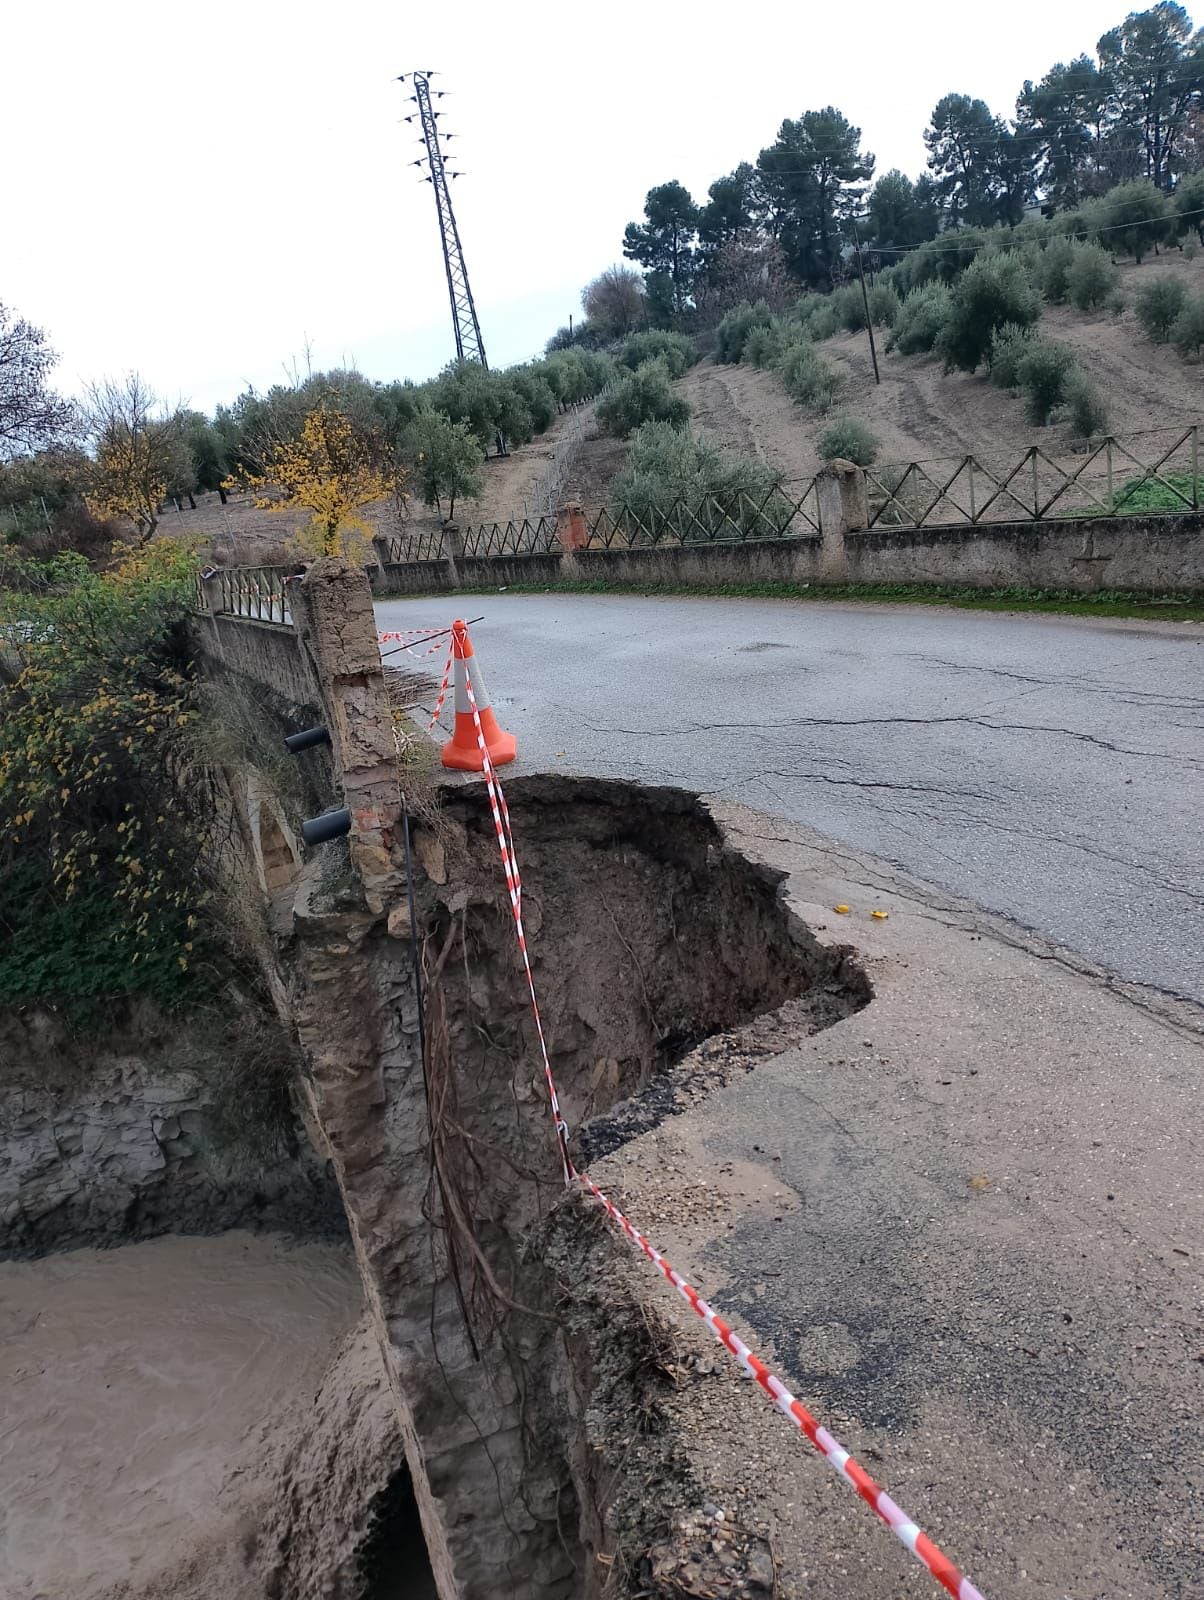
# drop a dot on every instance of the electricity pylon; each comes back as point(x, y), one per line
point(469, 344)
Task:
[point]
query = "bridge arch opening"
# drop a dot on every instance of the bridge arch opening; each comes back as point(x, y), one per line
point(274, 846)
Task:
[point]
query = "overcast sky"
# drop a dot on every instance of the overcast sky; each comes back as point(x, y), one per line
point(191, 191)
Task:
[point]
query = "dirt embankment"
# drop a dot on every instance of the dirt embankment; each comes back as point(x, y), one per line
point(921, 413)
point(243, 534)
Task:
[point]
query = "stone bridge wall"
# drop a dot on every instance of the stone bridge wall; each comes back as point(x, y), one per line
point(269, 655)
point(343, 979)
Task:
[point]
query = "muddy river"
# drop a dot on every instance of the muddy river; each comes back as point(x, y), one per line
point(143, 1391)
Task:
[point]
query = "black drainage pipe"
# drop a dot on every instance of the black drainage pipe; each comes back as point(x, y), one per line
point(294, 743)
point(330, 825)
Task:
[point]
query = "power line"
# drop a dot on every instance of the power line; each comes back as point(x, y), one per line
point(976, 143)
point(977, 147)
point(1086, 233)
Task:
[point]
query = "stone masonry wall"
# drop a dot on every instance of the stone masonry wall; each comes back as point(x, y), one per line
point(122, 1147)
point(266, 653)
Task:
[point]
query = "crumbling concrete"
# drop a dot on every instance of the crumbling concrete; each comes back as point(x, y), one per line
point(333, 607)
point(960, 1222)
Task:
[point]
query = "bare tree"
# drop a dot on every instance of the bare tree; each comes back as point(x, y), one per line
point(614, 301)
point(137, 446)
point(749, 267)
point(31, 415)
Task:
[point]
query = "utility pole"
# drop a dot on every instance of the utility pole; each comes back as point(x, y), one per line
point(865, 300)
point(469, 344)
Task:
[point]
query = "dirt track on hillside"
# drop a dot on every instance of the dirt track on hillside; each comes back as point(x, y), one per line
point(240, 533)
point(920, 413)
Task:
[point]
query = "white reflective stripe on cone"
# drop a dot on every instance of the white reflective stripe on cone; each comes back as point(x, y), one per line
point(478, 685)
point(463, 708)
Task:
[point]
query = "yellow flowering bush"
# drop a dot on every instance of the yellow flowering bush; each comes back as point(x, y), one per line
point(98, 893)
point(333, 469)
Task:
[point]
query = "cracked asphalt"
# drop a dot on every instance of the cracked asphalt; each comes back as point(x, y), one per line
point(1049, 768)
point(963, 1224)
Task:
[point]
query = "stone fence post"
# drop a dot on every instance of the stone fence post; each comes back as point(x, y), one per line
point(843, 508)
point(333, 609)
point(570, 526)
point(453, 541)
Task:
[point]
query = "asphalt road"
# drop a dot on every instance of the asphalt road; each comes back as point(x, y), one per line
point(1051, 769)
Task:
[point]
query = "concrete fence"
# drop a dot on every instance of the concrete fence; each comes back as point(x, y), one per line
point(1162, 552)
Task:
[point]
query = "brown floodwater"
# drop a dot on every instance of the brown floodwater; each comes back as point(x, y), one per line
point(139, 1392)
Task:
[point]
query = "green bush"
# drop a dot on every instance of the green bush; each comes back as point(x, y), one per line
point(818, 320)
point(1187, 331)
point(514, 420)
point(884, 306)
point(100, 900)
point(1044, 370)
point(796, 364)
point(1188, 202)
point(847, 439)
point(537, 395)
point(668, 467)
point(764, 345)
point(1159, 494)
point(446, 457)
point(922, 315)
point(1158, 305)
point(1009, 346)
point(1091, 278)
point(1117, 302)
point(645, 395)
point(1084, 408)
point(1085, 221)
point(848, 307)
point(674, 349)
point(1052, 270)
point(1137, 217)
point(944, 258)
point(808, 378)
point(565, 374)
point(733, 331)
point(1068, 269)
point(465, 392)
point(993, 291)
point(576, 375)
point(599, 368)
point(1191, 248)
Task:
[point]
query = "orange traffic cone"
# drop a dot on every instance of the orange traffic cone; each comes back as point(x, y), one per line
point(462, 750)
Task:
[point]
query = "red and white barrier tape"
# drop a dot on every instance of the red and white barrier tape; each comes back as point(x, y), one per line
point(510, 868)
point(387, 638)
point(900, 1524)
point(447, 666)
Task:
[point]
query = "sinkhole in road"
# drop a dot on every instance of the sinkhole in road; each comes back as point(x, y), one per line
point(666, 962)
point(649, 932)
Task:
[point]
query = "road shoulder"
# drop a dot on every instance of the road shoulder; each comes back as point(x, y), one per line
point(963, 1225)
